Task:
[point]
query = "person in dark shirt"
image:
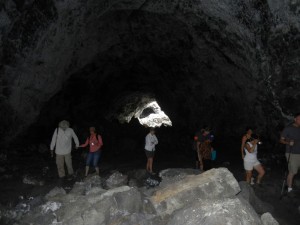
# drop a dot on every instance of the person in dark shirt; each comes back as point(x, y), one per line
point(204, 149)
point(290, 137)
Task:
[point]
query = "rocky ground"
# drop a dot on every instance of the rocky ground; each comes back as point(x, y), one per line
point(125, 194)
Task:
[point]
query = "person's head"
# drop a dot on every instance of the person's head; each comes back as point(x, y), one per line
point(297, 119)
point(152, 130)
point(64, 124)
point(249, 132)
point(254, 138)
point(92, 130)
point(205, 131)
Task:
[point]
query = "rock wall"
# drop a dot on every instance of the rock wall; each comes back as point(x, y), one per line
point(241, 57)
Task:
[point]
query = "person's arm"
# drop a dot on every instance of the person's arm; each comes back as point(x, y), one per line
point(249, 148)
point(85, 144)
point(148, 140)
point(198, 146)
point(244, 139)
point(284, 137)
point(100, 142)
point(53, 142)
point(75, 138)
point(54, 138)
point(155, 140)
point(285, 141)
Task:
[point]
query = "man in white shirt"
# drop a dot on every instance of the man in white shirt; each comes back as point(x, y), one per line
point(62, 141)
point(151, 141)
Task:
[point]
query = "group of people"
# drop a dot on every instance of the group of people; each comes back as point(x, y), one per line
point(290, 137)
point(62, 143)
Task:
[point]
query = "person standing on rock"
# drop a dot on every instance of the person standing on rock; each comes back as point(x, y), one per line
point(290, 137)
point(150, 143)
point(250, 160)
point(196, 144)
point(95, 142)
point(205, 149)
point(245, 137)
point(62, 142)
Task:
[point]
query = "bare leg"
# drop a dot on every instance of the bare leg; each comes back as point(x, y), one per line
point(248, 176)
point(290, 179)
point(200, 160)
point(261, 172)
point(151, 165)
point(97, 170)
point(86, 170)
point(148, 165)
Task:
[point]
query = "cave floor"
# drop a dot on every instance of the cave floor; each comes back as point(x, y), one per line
point(286, 210)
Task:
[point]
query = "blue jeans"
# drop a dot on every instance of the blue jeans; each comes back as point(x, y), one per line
point(93, 157)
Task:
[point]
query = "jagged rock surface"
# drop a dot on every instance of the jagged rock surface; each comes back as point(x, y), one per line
point(208, 198)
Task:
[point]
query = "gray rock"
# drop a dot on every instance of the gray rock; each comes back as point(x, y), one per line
point(213, 184)
point(173, 175)
point(248, 194)
point(268, 219)
point(27, 179)
point(215, 212)
point(55, 192)
point(117, 179)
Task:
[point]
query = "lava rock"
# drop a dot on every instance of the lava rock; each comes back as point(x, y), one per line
point(117, 179)
point(268, 219)
point(248, 194)
point(215, 212)
point(55, 192)
point(212, 184)
point(173, 175)
point(27, 179)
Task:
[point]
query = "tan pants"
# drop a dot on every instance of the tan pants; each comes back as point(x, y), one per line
point(60, 162)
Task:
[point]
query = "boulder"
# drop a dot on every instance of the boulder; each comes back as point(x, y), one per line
point(215, 212)
point(213, 184)
point(27, 179)
point(55, 192)
point(268, 219)
point(175, 174)
point(248, 194)
point(117, 179)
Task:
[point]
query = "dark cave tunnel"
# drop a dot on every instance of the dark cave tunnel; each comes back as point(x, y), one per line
point(226, 67)
point(157, 56)
point(91, 66)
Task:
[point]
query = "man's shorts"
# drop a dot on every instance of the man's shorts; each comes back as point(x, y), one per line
point(294, 163)
point(149, 154)
point(249, 165)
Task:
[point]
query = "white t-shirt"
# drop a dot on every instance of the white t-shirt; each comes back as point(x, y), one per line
point(63, 141)
point(250, 156)
point(151, 141)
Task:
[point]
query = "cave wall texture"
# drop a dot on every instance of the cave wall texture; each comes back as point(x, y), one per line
point(224, 63)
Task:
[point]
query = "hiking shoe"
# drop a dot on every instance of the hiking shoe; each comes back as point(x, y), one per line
point(289, 190)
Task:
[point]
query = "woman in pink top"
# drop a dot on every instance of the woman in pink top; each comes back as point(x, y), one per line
point(95, 142)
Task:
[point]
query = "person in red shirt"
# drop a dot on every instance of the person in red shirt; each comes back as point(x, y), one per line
point(95, 143)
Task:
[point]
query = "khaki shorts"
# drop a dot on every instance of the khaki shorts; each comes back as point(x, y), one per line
point(294, 163)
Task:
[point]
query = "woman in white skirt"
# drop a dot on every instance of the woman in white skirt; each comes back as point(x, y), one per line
point(250, 160)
